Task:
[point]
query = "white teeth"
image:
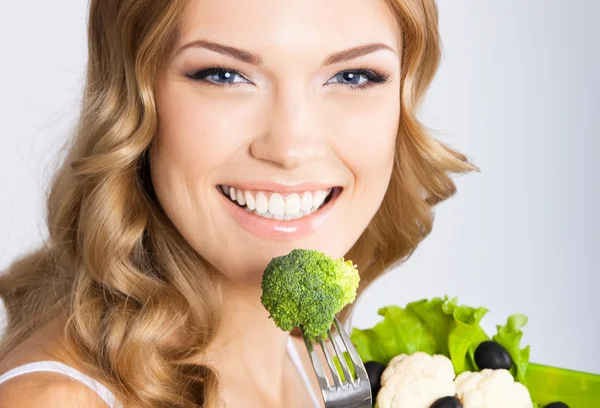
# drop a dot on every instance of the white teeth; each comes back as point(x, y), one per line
point(240, 197)
point(318, 198)
point(276, 204)
point(292, 204)
point(306, 202)
point(262, 204)
point(249, 200)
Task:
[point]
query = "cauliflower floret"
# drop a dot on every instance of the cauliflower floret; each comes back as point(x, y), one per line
point(491, 389)
point(416, 381)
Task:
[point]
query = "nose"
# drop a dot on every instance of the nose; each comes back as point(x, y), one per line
point(292, 137)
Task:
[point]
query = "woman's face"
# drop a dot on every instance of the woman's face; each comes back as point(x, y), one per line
point(277, 127)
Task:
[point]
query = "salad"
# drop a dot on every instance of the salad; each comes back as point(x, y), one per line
point(433, 353)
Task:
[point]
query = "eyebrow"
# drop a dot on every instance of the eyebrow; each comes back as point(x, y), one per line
point(356, 52)
point(250, 58)
point(236, 53)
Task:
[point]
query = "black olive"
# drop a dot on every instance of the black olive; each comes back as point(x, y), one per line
point(447, 402)
point(490, 354)
point(374, 371)
point(557, 404)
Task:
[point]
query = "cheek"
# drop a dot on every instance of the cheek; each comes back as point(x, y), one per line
point(190, 149)
point(199, 135)
point(367, 137)
point(189, 135)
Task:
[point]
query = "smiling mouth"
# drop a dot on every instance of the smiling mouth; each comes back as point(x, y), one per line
point(272, 205)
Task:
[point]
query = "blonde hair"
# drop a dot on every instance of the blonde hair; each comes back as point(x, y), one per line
point(139, 301)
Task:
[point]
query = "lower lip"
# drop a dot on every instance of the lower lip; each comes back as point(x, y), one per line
point(270, 228)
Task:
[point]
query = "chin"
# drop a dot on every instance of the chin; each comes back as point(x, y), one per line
point(246, 266)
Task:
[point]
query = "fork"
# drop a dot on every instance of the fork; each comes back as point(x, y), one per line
point(347, 392)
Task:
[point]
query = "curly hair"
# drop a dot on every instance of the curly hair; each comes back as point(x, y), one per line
point(140, 303)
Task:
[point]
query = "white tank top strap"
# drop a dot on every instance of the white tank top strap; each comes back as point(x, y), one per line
point(295, 357)
point(60, 368)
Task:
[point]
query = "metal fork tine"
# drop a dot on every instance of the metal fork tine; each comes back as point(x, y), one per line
point(349, 393)
point(361, 373)
point(342, 359)
point(314, 358)
point(337, 380)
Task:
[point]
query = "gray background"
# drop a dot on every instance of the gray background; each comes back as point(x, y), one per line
point(517, 92)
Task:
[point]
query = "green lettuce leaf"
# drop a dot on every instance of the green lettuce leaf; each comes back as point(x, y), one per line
point(438, 322)
point(465, 336)
point(400, 331)
point(436, 326)
point(509, 336)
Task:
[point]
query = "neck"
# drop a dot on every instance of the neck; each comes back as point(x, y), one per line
point(248, 347)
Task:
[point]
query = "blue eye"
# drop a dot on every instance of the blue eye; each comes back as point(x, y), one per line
point(357, 78)
point(219, 76)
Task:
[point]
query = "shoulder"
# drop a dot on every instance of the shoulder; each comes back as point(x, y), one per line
point(48, 390)
point(44, 388)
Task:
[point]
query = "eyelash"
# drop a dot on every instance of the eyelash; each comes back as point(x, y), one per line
point(373, 77)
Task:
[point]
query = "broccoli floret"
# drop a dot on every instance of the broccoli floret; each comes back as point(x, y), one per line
point(307, 288)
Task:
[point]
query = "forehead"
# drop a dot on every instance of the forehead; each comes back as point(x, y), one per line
point(293, 26)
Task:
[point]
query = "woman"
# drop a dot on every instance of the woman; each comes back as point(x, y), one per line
point(215, 135)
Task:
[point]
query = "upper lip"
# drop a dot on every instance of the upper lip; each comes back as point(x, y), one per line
point(273, 187)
